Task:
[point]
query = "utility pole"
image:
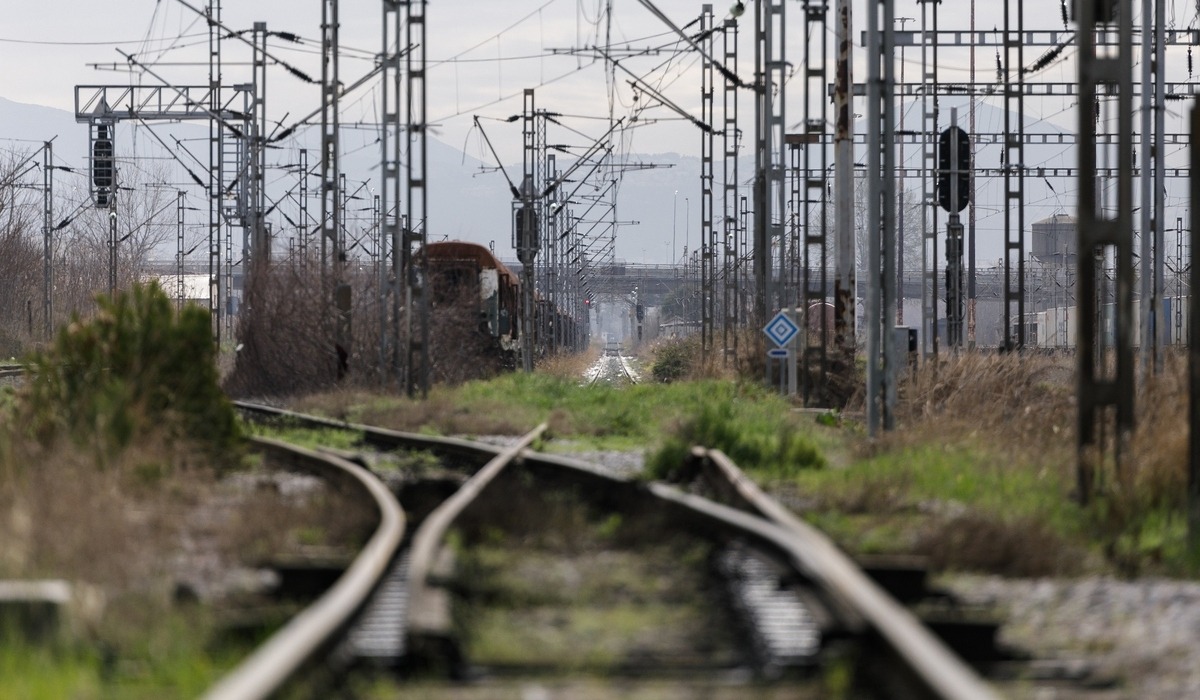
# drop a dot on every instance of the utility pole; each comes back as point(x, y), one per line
point(971, 215)
point(216, 136)
point(416, 233)
point(47, 242)
point(900, 214)
point(708, 240)
point(929, 222)
point(771, 70)
point(1160, 181)
point(1193, 482)
point(729, 138)
point(843, 163)
point(810, 195)
point(1153, 328)
point(881, 225)
point(257, 256)
point(391, 152)
point(1014, 174)
point(303, 233)
point(525, 228)
point(179, 249)
point(333, 260)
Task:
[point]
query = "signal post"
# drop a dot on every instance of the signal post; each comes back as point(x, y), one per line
point(954, 193)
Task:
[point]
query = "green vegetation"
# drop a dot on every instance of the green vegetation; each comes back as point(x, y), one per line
point(305, 437)
point(137, 368)
point(981, 465)
point(110, 446)
point(760, 441)
point(166, 657)
point(675, 360)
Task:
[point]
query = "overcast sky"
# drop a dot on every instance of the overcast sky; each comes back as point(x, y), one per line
point(482, 54)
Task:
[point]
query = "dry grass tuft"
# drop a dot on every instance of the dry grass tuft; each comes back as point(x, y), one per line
point(1022, 406)
point(1159, 450)
point(1021, 547)
point(569, 365)
point(108, 528)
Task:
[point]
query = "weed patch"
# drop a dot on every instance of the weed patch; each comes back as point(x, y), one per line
point(757, 440)
point(136, 369)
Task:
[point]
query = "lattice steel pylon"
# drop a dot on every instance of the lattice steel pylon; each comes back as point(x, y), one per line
point(416, 233)
point(216, 135)
point(390, 222)
point(332, 257)
point(1014, 174)
point(257, 254)
point(1105, 368)
point(1153, 316)
point(180, 222)
point(769, 159)
point(814, 237)
point(526, 238)
point(929, 222)
point(708, 235)
point(48, 238)
point(729, 204)
point(881, 220)
point(845, 272)
point(302, 187)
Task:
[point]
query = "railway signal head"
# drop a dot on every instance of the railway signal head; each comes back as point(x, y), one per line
point(102, 164)
point(954, 164)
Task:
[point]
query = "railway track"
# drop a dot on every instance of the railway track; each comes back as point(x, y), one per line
point(611, 369)
point(794, 600)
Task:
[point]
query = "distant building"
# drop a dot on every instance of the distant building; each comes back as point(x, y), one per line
point(1054, 240)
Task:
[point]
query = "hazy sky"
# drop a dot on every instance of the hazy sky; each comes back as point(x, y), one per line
point(482, 53)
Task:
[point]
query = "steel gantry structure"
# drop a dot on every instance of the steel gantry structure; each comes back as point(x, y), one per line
point(1104, 361)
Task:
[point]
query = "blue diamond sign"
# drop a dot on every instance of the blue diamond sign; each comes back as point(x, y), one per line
point(781, 329)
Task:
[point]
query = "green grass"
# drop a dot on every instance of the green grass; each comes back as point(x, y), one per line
point(751, 424)
point(933, 491)
point(41, 673)
point(305, 437)
point(149, 654)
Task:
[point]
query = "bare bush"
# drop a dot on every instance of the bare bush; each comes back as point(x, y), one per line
point(286, 331)
point(284, 335)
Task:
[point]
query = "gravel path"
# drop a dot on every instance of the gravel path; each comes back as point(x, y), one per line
point(1144, 635)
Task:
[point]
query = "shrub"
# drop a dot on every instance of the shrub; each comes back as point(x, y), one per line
point(754, 443)
point(136, 368)
point(675, 360)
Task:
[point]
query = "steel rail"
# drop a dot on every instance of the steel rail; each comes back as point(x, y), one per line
point(280, 658)
point(380, 437)
point(422, 616)
point(859, 604)
point(936, 667)
point(625, 369)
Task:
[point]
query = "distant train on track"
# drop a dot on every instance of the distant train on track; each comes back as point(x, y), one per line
point(462, 272)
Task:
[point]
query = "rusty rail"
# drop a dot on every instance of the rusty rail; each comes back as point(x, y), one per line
point(940, 671)
point(268, 669)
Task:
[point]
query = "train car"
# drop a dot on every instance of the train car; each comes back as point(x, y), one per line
point(458, 269)
point(467, 274)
